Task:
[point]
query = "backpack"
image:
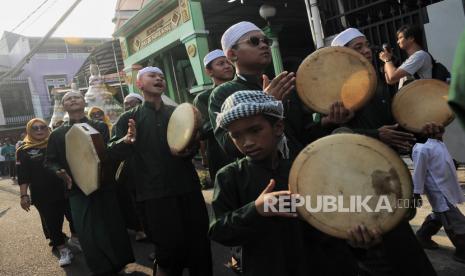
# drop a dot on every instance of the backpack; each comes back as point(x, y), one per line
point(438, 72)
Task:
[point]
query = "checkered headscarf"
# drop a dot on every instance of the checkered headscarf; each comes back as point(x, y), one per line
point(246, 103)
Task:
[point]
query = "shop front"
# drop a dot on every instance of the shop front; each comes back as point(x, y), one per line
point(175, 35)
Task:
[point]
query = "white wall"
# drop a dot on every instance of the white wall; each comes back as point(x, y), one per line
point(446, 23)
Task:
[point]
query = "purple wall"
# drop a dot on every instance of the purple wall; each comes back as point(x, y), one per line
point(39, 68)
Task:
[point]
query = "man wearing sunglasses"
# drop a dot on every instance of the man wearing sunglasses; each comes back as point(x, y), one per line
point(246, 46)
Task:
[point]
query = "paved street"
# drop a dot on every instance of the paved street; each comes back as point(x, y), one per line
point(24, 251)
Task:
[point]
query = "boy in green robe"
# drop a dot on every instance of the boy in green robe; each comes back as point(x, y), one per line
point(97, 218)
point(272, 243)
point(167, 184)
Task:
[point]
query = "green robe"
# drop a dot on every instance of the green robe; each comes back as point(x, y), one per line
point(374, 114)
point(217, 98)
point(457, 86)
point(270, 245)
point(216, 156)
point(97, 219)
point(299, 124)
point(156, 172)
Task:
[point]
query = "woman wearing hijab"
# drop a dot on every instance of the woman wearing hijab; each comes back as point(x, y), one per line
point(96, 113)
point(47, 191)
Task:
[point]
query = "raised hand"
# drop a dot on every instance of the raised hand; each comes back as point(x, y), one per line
point(280, 86)
point(270, 198)
point(130, 137)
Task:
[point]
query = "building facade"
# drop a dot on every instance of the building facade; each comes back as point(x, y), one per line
point(53, 66)
point(175, 35)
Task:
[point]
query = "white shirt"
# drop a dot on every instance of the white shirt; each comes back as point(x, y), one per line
point(419, 62)
point(435, 174)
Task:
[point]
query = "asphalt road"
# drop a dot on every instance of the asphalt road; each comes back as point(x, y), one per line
point(24, 250)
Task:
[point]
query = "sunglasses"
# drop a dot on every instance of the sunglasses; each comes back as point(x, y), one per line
point(39, 128)
point(255, 41)
point(97, 114)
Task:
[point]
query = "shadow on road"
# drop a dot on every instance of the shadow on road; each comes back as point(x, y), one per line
point(2, 213)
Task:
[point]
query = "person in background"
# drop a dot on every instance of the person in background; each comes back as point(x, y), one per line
point(220, 70)
point(47, 191)
point(418, 65)
point(435, 175)
point(399, 251)
point(98, 114)
point(132, 100)
point(133, 211)
point(9, 151)
point(3, 165)
point(21, 140)
point(57, 124)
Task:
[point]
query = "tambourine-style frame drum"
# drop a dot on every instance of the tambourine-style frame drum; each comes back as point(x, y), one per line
point(349, 170)
point(84, 153)
point(335, 74)
point(183, 126)
point(420, 102)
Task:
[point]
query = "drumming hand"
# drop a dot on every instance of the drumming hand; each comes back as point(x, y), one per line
point(398, 139)
point(433, 130)
point(25, 203)
point(266, 203)
point(338, 114)
point(65, 177)
point(361, 237)
point(280, 86)
point(130, 137)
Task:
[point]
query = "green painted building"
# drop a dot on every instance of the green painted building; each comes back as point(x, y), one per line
point(175, 35)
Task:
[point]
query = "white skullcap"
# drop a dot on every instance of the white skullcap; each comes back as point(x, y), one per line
point(212, 56)
point(149, 69)
point(346, 36)
point(134, 95)
point(71, 93)
point(236, 31)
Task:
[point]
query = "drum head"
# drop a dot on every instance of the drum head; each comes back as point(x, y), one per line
point(335, 74)
point(421, 102)
point(182, 126)
point(83, 157)
point(350, 168)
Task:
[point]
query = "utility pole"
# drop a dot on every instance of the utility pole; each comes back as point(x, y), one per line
point(19, 66)
point(315, 22)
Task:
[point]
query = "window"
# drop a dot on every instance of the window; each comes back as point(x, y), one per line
point(54, 83)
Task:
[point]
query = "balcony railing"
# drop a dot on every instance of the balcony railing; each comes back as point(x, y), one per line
point(18, 120)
